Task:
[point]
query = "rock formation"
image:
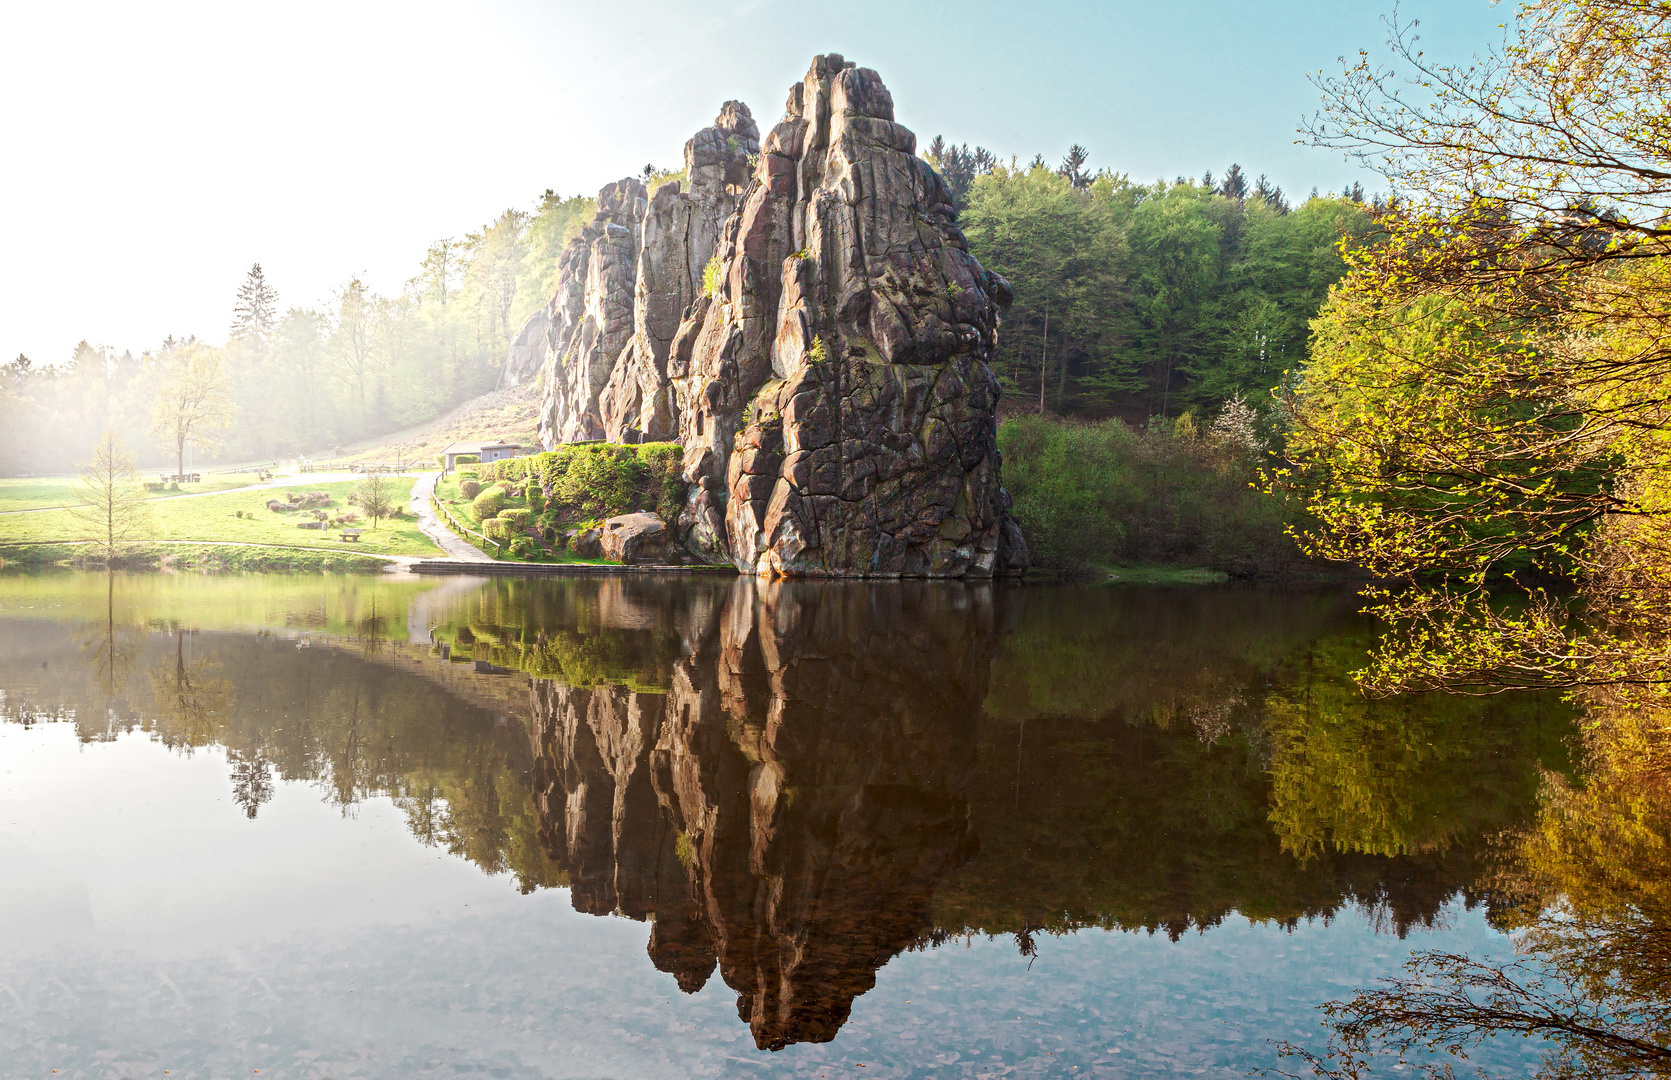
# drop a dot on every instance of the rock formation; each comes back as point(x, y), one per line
point(785, 811)
point(828, 377)
point(681, 230)
point(838, 410)
point(527, 352)
point(590, 320)
point(623, 286)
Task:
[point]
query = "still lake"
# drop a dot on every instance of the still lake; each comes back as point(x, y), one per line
point(382, 826)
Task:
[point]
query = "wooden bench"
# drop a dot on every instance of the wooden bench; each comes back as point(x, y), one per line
point(351, 534)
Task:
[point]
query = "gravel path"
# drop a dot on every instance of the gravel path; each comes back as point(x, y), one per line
point(456, 548)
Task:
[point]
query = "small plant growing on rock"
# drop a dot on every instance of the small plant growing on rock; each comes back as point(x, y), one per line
point(712, 275)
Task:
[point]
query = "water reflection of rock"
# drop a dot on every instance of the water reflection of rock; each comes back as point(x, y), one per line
point(785, 812)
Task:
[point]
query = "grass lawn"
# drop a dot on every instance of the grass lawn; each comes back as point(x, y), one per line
point(1164, 575)
point(42, 491)
point(211, 518)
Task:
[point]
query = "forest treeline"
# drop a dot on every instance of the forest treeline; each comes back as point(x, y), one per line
point(302, 380)
point(1131, 300)
point(1139, 300)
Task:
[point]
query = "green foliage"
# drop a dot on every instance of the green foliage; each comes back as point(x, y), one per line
point(1089, 493)
point(487, 505)
point(523, 547)
point(712, 276)
point(1158, 296)
point(470, 488)
point(587, 481)
point(516, 519)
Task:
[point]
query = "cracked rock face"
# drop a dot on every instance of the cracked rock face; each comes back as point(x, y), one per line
point(680, 232)
point(590, 319)
point(836, 406)
point(831, 389)
point(624, 285)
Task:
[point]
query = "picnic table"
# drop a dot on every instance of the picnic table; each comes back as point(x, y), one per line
point(351, 534)
point(180, 478)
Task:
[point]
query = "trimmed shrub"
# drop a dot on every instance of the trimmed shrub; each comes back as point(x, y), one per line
point(470, 488)
point(488, 504)
point(516, 518)
point(523, 547)
point(496, 529)
point(535, 494)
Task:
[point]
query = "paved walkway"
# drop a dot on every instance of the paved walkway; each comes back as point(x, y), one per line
point(457, 549)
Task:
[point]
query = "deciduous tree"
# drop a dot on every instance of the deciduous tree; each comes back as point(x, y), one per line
point(194, 400)
point(112, 498)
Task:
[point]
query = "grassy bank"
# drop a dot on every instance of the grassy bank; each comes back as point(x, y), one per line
point(203, 557)
point(238, 517)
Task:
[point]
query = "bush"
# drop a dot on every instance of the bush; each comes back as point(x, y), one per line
point(470, 488)
point(516, 519)
point(496, 529)
point(523, 547)
point(488, 504)
point(1089, 493)
point(535, 494)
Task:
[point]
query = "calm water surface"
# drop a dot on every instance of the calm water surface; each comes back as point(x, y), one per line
point(373, 827)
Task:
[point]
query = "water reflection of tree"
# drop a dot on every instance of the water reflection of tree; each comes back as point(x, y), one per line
point(190, 700)
point(1591, 881)
point(110, 645)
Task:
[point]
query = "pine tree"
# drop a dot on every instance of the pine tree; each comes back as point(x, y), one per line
point(1234, 184)
point(256, 313)
point(1270, 194)
point(1072, 168)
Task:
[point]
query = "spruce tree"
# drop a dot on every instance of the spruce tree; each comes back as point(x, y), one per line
point(256, 313)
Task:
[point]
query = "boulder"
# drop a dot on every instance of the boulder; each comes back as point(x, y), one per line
point(584, 543)
point(633, 539)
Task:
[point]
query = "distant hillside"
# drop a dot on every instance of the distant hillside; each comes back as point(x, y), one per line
point(508, 414)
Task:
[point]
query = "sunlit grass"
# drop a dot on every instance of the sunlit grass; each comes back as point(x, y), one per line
point(37, 492)
point(212, 518)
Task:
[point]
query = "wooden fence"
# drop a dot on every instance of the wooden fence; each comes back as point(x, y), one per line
point(448, 514)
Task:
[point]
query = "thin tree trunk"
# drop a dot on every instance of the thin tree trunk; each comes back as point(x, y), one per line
point(1044, 353)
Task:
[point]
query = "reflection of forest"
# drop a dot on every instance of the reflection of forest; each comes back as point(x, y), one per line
point(798, 781)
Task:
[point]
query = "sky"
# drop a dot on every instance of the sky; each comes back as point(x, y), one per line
point(150, 153)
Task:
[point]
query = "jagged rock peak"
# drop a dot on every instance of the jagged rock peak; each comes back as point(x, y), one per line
point(681, 230)
point(624, 284)
point(835, 402)
point(590, 319)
